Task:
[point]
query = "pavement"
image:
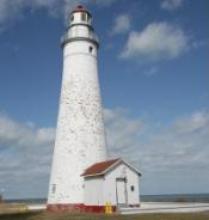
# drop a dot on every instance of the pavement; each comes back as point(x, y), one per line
point(167, 207)
point(36, 207)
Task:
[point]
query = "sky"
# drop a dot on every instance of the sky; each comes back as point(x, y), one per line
point(153, 70)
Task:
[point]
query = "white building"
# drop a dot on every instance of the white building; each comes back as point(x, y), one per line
point(114, 181)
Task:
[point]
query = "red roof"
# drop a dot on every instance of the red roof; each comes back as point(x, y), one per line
point(80, 8)
point(99, 168)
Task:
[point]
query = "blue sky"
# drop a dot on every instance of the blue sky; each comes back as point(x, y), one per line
point(153, 68)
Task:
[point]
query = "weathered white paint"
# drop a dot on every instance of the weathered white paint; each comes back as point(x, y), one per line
point(80, 138)
point(94, 191)
point(132, 180)
point(102, 189)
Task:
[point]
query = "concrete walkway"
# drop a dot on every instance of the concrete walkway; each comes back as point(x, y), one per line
point(166, 207)
point(151, 207)
point(36, 207)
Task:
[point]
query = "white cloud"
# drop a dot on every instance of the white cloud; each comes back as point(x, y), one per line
point(25, 157)
point(171, 4)
point(184, 142)
point(161, 152)
point(121, 131)
point(11, 11)
point(122, 24)
point(157, 41)
point(194, 123)
point(22, 135)
point(170, 157)
point(179, 142)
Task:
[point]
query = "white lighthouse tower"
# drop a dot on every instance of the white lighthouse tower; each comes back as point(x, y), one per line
point(80, 138)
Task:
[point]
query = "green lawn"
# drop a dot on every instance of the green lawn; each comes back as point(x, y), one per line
point(67, 216)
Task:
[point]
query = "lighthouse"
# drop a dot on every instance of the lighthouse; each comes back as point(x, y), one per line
point(82, 177)
point(80, 137)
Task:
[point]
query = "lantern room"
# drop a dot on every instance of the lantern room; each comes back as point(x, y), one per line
point(80, 15)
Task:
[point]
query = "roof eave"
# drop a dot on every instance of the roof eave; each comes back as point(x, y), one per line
point(117, 162)
point(93, 175)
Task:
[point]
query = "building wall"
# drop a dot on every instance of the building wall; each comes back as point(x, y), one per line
point(110, 184)
point(100, 190)
point(93, 191)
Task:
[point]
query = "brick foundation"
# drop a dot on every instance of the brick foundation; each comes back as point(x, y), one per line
point(77, 208)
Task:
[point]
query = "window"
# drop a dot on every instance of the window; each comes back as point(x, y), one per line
point(90, 49)
point(132, 188)
point(83, 16)
point(53, 188)
point(88, 18)
point(72, 18)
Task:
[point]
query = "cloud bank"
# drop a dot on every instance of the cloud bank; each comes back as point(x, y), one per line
point(25, 157)
point(10, 11)
point(171, 151)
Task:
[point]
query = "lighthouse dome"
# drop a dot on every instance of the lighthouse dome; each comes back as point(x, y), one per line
point(80, 15)
point(80, 27)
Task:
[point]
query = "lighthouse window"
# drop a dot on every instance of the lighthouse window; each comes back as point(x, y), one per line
point(83, 16)
point(72, 18)
point(53, 188)
point(132, 188)
point(90, 49)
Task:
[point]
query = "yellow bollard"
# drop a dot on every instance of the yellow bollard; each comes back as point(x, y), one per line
point(108, 208)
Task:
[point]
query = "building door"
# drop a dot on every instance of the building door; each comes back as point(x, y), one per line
point(121, 192)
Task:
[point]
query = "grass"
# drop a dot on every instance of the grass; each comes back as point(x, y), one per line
point(12, 208)
point(68, 216)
